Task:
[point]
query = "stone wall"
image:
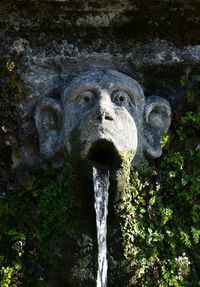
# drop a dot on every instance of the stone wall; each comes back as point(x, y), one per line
point(154, 42)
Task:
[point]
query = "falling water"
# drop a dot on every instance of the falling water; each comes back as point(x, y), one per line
point(101, 185)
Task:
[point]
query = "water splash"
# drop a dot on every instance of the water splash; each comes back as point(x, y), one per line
point(101, 185)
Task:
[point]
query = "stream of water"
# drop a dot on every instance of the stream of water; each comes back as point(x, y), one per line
point(101, 185)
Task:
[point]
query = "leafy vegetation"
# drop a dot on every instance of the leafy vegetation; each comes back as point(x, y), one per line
point(161, 211)
point(35, 219)
point(36, 206)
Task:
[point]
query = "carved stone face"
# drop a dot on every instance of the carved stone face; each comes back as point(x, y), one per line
point(112, 115)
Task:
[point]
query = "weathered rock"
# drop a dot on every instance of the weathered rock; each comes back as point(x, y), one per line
point(108, 109)
point(153, 43)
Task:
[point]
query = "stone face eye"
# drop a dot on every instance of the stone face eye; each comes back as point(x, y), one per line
point(121, 98)
point(86, 97)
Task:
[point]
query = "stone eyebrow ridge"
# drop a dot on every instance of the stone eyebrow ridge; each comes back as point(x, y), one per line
point(95, 79)
point(71, 93)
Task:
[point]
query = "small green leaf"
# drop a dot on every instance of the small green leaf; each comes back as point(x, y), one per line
point(152, 200)
point(198, 78)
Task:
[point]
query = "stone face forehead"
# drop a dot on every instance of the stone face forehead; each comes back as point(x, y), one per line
point(103, 79)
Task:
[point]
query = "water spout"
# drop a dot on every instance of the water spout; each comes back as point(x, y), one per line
point(101, 185)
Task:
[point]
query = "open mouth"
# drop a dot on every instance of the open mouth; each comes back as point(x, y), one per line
point(103, 154)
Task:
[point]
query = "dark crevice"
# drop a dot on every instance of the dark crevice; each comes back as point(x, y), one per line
point(103, 154)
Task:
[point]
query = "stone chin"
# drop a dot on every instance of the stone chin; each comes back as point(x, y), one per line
point(104, 153)
point(105, 147)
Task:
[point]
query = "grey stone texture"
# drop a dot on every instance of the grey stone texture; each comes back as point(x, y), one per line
point(152, 42)
point(110, 111)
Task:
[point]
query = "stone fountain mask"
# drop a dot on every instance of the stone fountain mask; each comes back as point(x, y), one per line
point(112, 115)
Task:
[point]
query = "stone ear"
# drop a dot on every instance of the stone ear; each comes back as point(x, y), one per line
point(48, 118)
point(157, 120)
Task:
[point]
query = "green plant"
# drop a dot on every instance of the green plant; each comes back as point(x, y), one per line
point(35, 213)
point(37, 216)
point(161, 209)
point(10, 276)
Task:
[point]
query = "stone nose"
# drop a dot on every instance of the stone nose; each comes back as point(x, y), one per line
point(104, 115)
point(104, 107)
